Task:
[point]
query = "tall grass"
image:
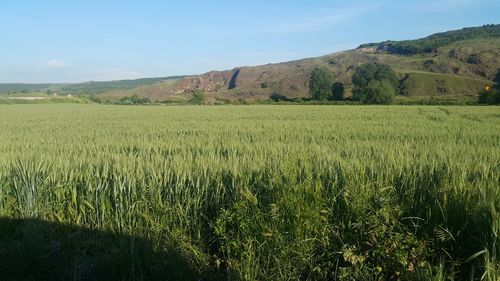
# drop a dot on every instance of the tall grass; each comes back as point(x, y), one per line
point(266, 192)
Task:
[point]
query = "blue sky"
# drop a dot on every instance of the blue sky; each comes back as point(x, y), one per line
point(74, 41)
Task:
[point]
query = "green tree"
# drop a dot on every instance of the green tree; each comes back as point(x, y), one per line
point(135, 99)
point(198, 98)
point(364, 88)
point(491, 95)
point(338, 91)
point(320, 83)
point(378, 92)
point(497, 79)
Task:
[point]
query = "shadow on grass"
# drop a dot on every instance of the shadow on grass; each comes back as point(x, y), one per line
point(32, 249)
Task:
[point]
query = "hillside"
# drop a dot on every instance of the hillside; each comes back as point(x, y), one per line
point(91, 87)
point(453, 63)
point(457, 63)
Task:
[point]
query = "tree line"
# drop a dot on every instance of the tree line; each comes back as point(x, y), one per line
point(372, 83)
point(491, 95)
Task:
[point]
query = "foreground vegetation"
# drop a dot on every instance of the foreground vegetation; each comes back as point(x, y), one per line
point(92, 192)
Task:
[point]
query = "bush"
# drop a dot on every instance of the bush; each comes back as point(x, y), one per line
point(428, 63)
point(278, 97)
point(134, 100)
point(198, 98)
point(320, 83)
point(95, 99)
point(474, 59)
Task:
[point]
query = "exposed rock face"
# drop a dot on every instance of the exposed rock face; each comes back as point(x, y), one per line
point(287, 78)
point(389, 48)
point(209, 82)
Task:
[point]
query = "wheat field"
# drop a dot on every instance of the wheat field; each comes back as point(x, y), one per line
point(93, 192)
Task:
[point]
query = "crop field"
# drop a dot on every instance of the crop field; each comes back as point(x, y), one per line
point(96, 192)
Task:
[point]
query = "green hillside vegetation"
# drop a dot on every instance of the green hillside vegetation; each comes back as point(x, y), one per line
point(155, 92)
point(85, 88)
point(28, 88)
point(434, 42)
point(421, 84)
point(100, 87)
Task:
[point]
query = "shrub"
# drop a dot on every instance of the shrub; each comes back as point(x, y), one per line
point(428, 63)
point(95, 99)
point(474, 59)
point(278, 97)
point(198, 98)
point(134, 100)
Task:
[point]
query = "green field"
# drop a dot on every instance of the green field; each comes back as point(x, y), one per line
point(95, 192)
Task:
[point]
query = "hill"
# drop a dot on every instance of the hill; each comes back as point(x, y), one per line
point(86, 88)
point(446, 65)
point(453, 63)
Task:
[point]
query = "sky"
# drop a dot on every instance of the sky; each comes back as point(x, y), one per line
point(60, 41)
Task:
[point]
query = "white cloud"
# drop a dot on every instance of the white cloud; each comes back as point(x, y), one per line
point(54, 63)
point(438, 5)
point(282, 23)
point(319, 21)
